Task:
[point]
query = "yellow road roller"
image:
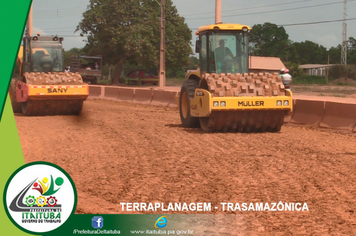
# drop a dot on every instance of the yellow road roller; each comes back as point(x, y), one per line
point(221, 95)
point(43, 88)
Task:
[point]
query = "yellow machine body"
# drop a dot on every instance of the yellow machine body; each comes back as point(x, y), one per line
point(49, 91)
point(42, 87)
point(223, 96)
point(203, 103)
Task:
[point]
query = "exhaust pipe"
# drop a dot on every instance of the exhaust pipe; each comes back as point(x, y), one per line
point(218, 12)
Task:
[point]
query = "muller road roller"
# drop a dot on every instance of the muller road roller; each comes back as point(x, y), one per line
point(221, 95)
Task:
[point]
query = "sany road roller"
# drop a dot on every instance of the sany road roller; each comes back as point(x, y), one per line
point(43, 88)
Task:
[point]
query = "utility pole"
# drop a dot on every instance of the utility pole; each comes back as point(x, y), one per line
point(217, 11)
point(162, 58)
point(344, 37)
point(29, 28)
point(327, 71)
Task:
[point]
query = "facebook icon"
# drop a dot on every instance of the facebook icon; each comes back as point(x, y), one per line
point(97, 222)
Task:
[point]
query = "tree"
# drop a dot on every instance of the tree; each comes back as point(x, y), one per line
point(269, 40)
point(179, 72)
point(351, 51)
point(294, 69)
point(193, 63)
point(130, 31)
point(335, 54)
point(72, 51)
point(311, 53)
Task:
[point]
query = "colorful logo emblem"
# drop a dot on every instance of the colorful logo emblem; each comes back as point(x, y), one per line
point(97, 222)
point(39, 197)
point(161, 222)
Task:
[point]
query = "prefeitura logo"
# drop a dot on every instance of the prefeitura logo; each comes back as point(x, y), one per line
point(39, 197)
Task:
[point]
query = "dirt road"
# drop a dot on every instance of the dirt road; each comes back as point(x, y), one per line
point(119, 152)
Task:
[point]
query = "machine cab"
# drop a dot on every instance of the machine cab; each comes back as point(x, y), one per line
point(43, 54)
point(223, 48)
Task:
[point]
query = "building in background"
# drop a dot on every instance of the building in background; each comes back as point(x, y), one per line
point(315, 69)
point(265, 64)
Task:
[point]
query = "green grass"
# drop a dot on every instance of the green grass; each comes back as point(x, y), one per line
point(339, 96)
point(345, 84)
point(174, 81)
point(104, 81)
point(309, 79)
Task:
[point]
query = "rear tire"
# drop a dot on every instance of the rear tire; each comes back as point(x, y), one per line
point(276, 129)
point(186, 94)
point(204, 124)
point(52, 108)
point(77, 108)
point(28, 108)
point(16, 106)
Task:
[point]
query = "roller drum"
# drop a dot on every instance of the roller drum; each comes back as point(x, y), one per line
point(243, 85)
point(59, 105)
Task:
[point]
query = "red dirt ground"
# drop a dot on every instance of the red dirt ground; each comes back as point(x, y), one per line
point(120, 152)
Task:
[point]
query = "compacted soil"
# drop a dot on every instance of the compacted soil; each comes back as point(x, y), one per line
point(123, 152)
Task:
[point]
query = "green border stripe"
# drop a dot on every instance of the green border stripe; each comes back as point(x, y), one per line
point(13, 15)
point(11, 158)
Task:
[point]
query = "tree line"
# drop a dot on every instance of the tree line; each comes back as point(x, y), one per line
point(270, 40)
point(128, 32)
point(127, 35)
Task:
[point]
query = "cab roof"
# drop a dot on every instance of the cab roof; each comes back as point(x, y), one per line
point(222, 26)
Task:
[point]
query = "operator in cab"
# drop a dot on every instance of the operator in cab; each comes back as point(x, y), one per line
point(224, 58)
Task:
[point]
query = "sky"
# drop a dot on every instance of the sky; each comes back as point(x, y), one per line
point(319, 21)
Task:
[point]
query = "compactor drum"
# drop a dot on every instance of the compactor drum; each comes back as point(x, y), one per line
point(221, 96)
point(43, 88)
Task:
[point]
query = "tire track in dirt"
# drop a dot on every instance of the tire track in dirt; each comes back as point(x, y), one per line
point(121, 152)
